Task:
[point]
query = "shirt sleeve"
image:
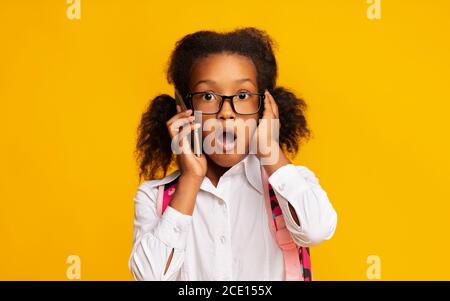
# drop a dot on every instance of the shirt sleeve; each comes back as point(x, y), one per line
point(298, 186)
point(154, 238)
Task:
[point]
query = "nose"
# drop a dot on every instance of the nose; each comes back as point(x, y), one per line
point(226, 112)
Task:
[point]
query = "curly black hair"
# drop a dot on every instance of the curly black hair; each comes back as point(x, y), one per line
point(153, 149)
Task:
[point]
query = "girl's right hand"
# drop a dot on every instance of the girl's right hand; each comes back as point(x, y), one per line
point(182, 124)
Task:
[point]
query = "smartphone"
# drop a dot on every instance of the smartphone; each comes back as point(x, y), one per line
point(196, 144)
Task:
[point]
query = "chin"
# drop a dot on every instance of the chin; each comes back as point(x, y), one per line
point(226, 160)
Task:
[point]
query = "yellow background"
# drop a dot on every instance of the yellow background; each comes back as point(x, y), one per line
point(72, 92)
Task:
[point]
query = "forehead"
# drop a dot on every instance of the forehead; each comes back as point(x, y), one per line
point(222, 70)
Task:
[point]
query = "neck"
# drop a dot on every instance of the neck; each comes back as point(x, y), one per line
point(215, 171)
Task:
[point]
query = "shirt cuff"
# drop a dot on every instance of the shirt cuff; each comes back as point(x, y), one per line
point(288, 183)
point(174, 228)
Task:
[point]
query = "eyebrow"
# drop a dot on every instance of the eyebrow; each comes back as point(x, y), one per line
point(209, 81)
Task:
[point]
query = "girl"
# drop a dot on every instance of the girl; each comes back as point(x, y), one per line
point(216, 224)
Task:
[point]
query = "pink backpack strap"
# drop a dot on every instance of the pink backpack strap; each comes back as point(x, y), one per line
point(305, 262)
point(296, 259)
point(165, 193)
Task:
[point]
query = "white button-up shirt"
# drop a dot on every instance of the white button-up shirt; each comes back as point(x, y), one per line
point(228, 235)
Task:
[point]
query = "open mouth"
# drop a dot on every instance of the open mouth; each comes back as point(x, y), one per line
point(226, 140)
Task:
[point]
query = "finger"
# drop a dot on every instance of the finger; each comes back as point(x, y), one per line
point(177, 124)
point(179, 115)
point(174, 128)
point(267, 106)
point(273, 105)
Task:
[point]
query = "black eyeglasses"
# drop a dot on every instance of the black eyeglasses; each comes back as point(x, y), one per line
point(243, 103)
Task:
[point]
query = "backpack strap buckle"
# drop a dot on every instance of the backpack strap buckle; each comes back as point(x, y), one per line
point(284, 240)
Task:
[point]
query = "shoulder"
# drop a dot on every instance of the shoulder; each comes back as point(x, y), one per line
point(292, 170)
point(148, 190)
point(307, 173)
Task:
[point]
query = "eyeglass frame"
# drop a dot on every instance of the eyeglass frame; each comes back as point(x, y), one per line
point(262, 96)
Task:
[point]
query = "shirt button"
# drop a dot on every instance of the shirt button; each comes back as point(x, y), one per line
point(223, 239)
point(221, 202)
point(177, 229)
point(281, 186)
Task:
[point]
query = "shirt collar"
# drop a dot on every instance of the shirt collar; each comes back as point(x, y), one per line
point(250, 166)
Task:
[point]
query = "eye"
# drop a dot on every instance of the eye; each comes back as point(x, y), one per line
point(208, 96)
point(243, 95)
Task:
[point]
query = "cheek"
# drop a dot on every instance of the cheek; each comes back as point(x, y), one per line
point(206, 125)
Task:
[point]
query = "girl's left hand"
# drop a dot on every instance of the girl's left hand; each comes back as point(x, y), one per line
point(266, 131)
